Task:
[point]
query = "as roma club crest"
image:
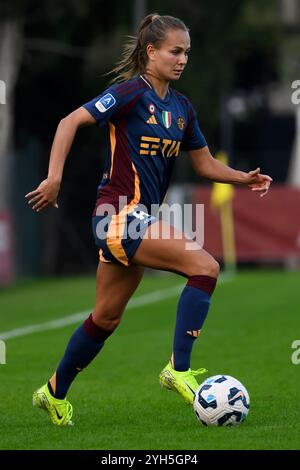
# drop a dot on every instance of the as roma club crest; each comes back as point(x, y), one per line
point(181, 123)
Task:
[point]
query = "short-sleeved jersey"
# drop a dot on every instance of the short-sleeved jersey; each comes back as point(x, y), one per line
point(146, 135)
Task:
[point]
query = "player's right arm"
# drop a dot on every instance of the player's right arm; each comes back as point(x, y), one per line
point(47, 192)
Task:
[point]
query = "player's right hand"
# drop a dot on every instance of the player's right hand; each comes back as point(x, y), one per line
point(46, 193)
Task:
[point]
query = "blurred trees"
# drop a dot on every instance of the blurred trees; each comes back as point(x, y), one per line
point(10, 58)
point(69, 45)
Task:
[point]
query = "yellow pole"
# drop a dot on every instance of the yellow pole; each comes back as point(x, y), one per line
point(222, 196)
point(228, 238)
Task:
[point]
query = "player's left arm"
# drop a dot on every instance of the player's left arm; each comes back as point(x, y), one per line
point(209, 167)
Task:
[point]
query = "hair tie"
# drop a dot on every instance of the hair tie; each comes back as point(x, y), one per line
point(154, 17)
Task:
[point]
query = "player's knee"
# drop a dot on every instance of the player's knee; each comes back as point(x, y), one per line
point(106, 323)
point(211, 268)
point(110, 324)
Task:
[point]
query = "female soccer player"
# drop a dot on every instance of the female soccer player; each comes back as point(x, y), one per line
point(149, 123)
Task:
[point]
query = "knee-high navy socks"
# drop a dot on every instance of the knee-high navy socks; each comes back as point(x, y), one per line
point(83, 347)
point(192, 309)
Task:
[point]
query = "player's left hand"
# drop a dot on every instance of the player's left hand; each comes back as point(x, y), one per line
point(258, 182)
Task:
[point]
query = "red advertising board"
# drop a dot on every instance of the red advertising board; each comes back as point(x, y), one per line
point(265, 229)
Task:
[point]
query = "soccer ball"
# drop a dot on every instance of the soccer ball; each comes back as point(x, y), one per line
point(221, 400)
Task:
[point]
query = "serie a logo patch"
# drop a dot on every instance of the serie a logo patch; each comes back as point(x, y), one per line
point(106, 102)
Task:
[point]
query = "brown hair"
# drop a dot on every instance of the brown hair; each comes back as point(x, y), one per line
point(152, 30)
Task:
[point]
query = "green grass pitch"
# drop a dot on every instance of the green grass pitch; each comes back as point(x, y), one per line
point(117, 401)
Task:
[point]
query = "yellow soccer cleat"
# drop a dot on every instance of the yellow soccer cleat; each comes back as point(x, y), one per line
point(60, 411)
point(183, 383)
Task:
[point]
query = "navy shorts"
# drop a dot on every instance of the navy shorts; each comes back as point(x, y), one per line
point(118, 236)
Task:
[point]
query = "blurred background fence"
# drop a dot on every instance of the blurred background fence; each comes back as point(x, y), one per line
point(243, 78)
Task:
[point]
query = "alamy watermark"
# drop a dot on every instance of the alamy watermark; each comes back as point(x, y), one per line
point(127, 221)
point(2, 352)
point(295, 358)
point(2, 92)
point(295, 98)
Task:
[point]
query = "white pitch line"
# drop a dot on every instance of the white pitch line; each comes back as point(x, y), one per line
point(144, 299)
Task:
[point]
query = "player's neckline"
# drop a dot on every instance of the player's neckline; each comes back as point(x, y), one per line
point(147, 81)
